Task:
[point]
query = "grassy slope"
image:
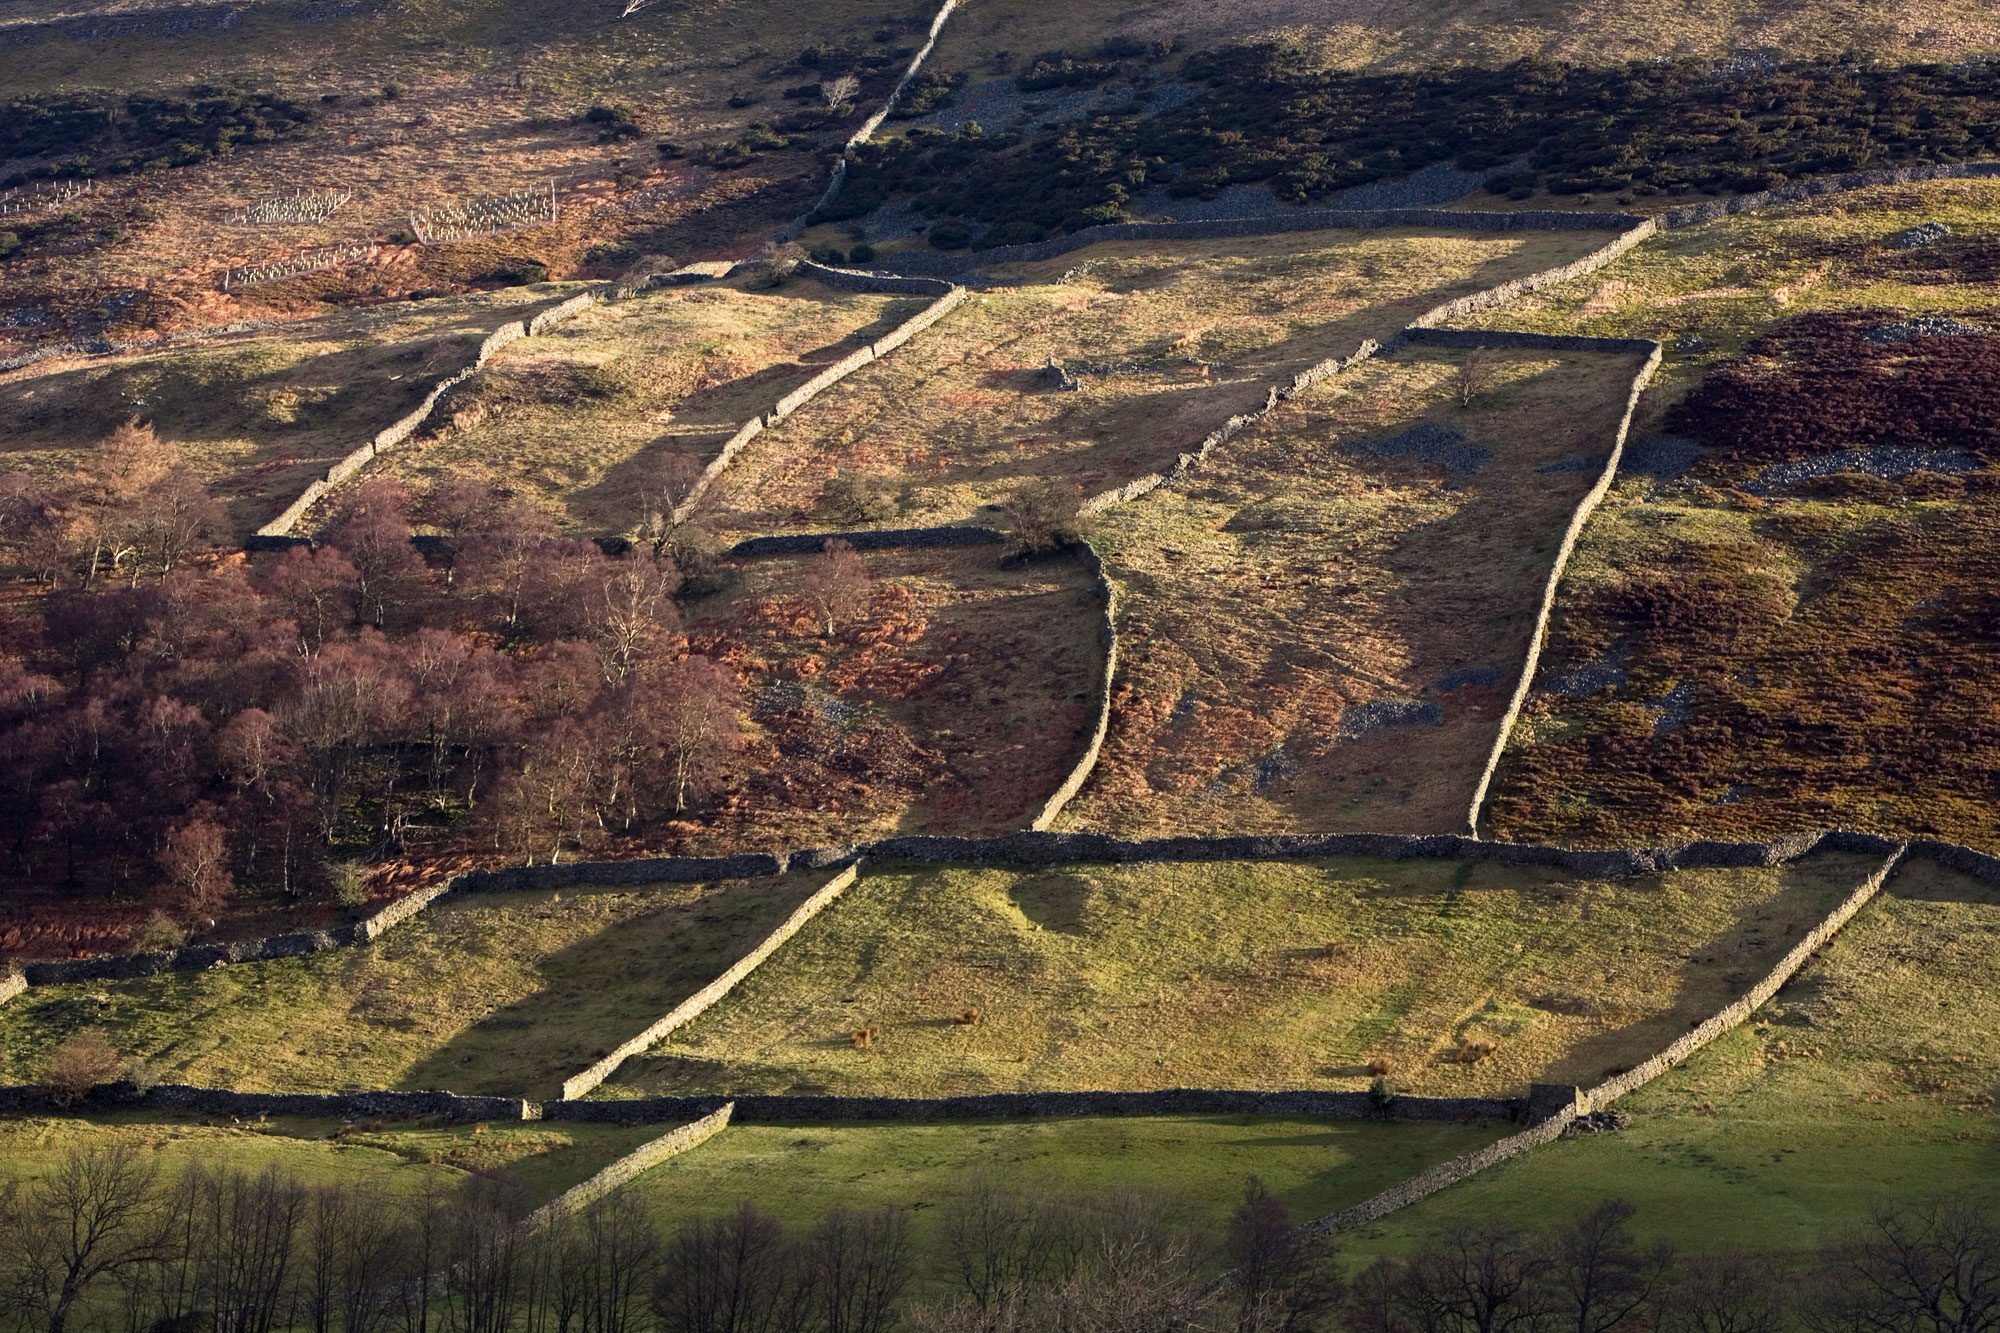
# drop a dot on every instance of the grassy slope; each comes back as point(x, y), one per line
point(1870, 1079)
point(676, 371)
point(1822, 594)
point(962, 416)
point(500, 993)
point(1296, 577)
point(259, 417)
point(1240, 975)
point(799, 1173)
point(401, 1158)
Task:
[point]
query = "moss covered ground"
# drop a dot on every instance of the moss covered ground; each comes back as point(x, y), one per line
point(1465, 979)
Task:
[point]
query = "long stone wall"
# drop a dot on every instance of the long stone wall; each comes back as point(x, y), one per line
point(277, 532)
point(801, 1109)
point(1029, 848)
point(312, 1105)
point(870, 539)
point(1107, 634)
point(664, 1148)
point(1736, 1014)
point(1710, 210)
point(952, 298)
point(1538, 636)
point(861, 136)
point(938, 265)
point(699, 1003)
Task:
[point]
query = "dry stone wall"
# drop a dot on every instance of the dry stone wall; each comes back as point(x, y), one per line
point(1446, 1174)
point(278, 531)
point(929, 264)
point(873, 123)
point(1739, 1012)
point(788, 1109)
point(869, 539)
point(951, 300)
point(664, 1148)
point(1538, 635)
point(1029, 848)
point(335, 1105)
point(1712, 209)
point(1107, 633)
point(699, 1003)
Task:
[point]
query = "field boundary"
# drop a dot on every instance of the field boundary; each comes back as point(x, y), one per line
point(802, 1109)
point(668, 1146)
point(1028, 848)
point(277, 532)
point(1538, 636)
point(868, 127)
point(1446, 1174)
point(699, 1003)
point(1107, 633)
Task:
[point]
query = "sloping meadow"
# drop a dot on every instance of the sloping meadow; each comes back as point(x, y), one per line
point(1158, 342)
point(1880, 1056)
point(1447, 979)
point(1320, 629)
point(502, 993)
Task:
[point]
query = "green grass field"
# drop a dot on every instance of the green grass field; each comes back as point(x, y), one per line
point(799, 1172)
point(504, 993)
point(1870, 1079)
point(1240, 975)
point(400, 1157)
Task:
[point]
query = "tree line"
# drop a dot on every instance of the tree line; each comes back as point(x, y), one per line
point(179, 723)
point(107, 1241)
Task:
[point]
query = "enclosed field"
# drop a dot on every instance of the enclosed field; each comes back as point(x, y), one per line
point(1444, 979)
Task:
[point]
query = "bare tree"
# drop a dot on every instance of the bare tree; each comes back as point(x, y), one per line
point(1599, 1280)
point(858, 1265)
point(95, 1218)
point(1723, 1293)
point(836, 584)
point(696, 704)
point(841, 92)
point(615, 1253)
point(1285, 1282)
point(733, 1274)
point(1467, 1279)
point(1473, 376)
point(1000, 1242)
point(666, 487)
point(637, 618)
point(1930, 1268)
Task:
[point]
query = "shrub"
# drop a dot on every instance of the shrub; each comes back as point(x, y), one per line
point(349, 882)
point(1381, 1097)
point(861, 1037)
point(160, 933)
point(392, 91)
point(951, 236)
point(970, 1018)
point(81, 1062)
point(10, 244)
point(857, 498)
point(1381, 1065)
point(863, 253)
point(1046, 515)
point(140, 1074)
